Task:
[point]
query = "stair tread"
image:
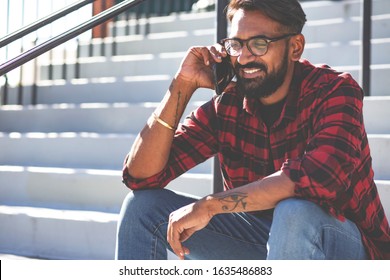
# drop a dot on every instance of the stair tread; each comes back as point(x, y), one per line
point(61, 214)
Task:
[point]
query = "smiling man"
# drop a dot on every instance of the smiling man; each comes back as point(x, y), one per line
point(293, 149)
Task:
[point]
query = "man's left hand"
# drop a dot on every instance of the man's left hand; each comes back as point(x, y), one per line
point(183, 223)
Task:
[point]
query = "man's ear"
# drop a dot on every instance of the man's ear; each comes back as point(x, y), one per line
point(297, 46)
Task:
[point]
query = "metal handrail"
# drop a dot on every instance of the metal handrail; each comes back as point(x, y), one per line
point(66, 36)
point(366, 47)
point(42, 22)
point(221, 33)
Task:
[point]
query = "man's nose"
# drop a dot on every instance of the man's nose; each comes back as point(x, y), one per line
point(246, 56)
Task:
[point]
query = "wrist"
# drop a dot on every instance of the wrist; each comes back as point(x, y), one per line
point(210, 203)
point(184, 84)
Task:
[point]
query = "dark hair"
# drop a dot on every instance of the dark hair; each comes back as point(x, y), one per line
point(288, 13)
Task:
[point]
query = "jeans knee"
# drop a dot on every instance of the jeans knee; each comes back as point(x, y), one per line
point(297, 210)
point(152, 204)
point(143, 202)
point(296, 218)
point(303, 230)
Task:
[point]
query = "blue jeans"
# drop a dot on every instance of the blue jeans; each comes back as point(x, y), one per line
point(298, 229)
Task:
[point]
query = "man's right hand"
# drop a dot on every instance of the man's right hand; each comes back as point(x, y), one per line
point(196, 67)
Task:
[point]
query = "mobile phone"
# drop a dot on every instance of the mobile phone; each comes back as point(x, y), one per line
point(223, 74)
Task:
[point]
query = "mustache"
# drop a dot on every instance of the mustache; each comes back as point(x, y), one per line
point(261, 66)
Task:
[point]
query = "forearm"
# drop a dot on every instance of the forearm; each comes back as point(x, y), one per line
point(259, 195)
point(152, 146)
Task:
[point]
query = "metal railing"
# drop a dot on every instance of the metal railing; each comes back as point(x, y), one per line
point(220, 34)
point(366, 46)
point(54, 42)
point(42, 22)
point(72, 33)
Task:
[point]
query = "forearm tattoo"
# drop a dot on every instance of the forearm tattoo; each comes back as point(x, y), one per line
point(182, 100)
point(232, 201)
point(177, 107)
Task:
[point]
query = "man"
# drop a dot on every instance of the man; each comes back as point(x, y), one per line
point(293, 150)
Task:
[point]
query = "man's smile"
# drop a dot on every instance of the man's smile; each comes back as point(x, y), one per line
point(251, 71)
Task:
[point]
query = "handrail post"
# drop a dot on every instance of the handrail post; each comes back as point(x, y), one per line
point(366, 47)
point(4, 91)
point(221, 32)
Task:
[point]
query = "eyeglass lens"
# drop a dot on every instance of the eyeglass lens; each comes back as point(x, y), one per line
point(256, 46)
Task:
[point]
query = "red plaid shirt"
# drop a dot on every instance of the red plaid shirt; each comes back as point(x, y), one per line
point(319, 141)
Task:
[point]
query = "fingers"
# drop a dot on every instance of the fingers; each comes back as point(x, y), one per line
point(183, 223)
point(218, 52)
point(211, 54)
point(175, 238)
point(181, 226)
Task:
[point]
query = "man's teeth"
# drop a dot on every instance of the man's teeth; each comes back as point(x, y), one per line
point(251, 71)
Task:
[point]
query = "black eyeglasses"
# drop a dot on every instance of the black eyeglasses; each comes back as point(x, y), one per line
point(257, 45)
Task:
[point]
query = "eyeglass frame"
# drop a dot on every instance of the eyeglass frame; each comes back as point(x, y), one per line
point(246, 42)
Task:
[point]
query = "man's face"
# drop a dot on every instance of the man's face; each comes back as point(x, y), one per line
point(259, 76)
point(263, 85)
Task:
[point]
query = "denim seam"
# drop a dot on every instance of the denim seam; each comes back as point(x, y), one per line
point(155, 240)
point(316, 242)
point(352, 238)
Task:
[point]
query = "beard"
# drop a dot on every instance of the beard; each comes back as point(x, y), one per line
point(264, 86)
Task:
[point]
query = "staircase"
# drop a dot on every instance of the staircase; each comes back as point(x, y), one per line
point(60, 161)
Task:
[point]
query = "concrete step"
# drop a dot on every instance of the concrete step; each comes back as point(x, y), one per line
point(89, 117)
point(379, 76)
point(376, 112)
point(80, 189)
point(149, 44)
point(94, 118)
point(117, 66)
point(384, 194)
point(348, 52)
point(380, 151)
point(57, 234)
point(70, 150)
point(62, 188)
point(66, 150)
point(174, 22)
point(135, 89)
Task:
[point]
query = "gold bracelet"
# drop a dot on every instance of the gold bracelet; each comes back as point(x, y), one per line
point(160, 121)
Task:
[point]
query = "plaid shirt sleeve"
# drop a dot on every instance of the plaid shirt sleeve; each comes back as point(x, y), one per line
point(333, 152)
point(193, 143)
